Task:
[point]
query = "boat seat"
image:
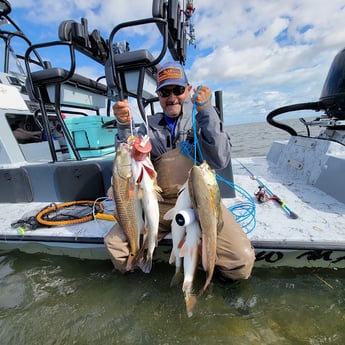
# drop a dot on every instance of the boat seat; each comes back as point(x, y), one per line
point(15, 186)
point(91, 44)
point(62, 87)
point(133, 71)
point(82, 182)
point(77, 91)
point(127, 61)
point(68, 181)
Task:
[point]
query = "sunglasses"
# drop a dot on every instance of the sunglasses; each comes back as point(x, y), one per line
point(177, 91)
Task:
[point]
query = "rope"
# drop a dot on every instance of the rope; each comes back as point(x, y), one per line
point(244, 212)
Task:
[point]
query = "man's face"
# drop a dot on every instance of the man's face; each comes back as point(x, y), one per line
point(172, 97)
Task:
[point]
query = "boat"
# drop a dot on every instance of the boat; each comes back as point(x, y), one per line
point(53, 189)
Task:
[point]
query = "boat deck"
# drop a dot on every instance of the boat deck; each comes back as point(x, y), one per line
point(321, 218)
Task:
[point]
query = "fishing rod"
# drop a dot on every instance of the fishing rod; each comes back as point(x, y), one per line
point(272, 195)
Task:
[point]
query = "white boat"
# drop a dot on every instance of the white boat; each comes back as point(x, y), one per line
point(296, 219)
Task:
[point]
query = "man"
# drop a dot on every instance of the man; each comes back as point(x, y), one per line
point(23, 136)
point(167, 130)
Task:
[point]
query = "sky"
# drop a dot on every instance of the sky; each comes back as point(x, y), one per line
point(262, 54)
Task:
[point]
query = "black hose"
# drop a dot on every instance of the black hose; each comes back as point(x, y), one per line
point(317, 106)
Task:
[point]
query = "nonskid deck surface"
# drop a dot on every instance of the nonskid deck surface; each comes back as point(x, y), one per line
point(11, 213)
point(321, 218)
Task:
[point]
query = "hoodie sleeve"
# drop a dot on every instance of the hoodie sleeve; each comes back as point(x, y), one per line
point(213, 140)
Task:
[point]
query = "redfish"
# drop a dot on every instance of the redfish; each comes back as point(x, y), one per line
point(128, 206)
point(206, 199)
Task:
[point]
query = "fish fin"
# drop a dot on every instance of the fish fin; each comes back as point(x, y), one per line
point(157, 194)
point(116, 215)
point(207, 283)
point(159, 197)
point(177, 278)
point(131, 188)
point(180, 188)
point(190, 300)
point(200, 249)
point(142, 260)
point(130, 262)
point(140, 192)
point(157, 188)
point(145, 265)
point(181, 243)
point(184, 250)
point(172, 258)
point(170, 214)
point(140, 256)
point(220, 225)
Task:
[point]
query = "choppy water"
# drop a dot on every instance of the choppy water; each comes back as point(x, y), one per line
point(56, 300)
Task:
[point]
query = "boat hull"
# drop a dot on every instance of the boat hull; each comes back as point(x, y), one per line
point(96, 250)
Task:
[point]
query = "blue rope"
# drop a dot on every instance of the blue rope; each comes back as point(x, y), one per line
point(244, 212)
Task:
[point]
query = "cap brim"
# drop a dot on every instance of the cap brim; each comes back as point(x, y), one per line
point(171, 83)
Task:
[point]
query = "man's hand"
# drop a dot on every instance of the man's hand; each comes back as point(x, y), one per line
point(122, 112)
point(24, 136)
point(202, 97)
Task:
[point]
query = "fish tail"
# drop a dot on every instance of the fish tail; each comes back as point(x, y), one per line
point(203, 289)
point(145, 264)
point(207, 283)
point(130, 262)
point(177, 278)
point(144, 259)
point(190, 300)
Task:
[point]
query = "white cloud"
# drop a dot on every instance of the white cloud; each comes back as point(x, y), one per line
point(263, 54)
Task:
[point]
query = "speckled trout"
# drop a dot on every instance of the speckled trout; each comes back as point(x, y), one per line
point(178, 232)
point(206, 199)
point(149, 196)
point(190, 253)
point(128, 207)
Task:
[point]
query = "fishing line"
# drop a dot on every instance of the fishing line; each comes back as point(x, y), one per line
point(131, 122)
point(197, 149)
point(244, 212)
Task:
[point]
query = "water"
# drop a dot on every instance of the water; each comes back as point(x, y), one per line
point(57, 300)
point(255, 139)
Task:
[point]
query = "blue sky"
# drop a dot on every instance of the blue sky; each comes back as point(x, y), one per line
point(262, 54)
